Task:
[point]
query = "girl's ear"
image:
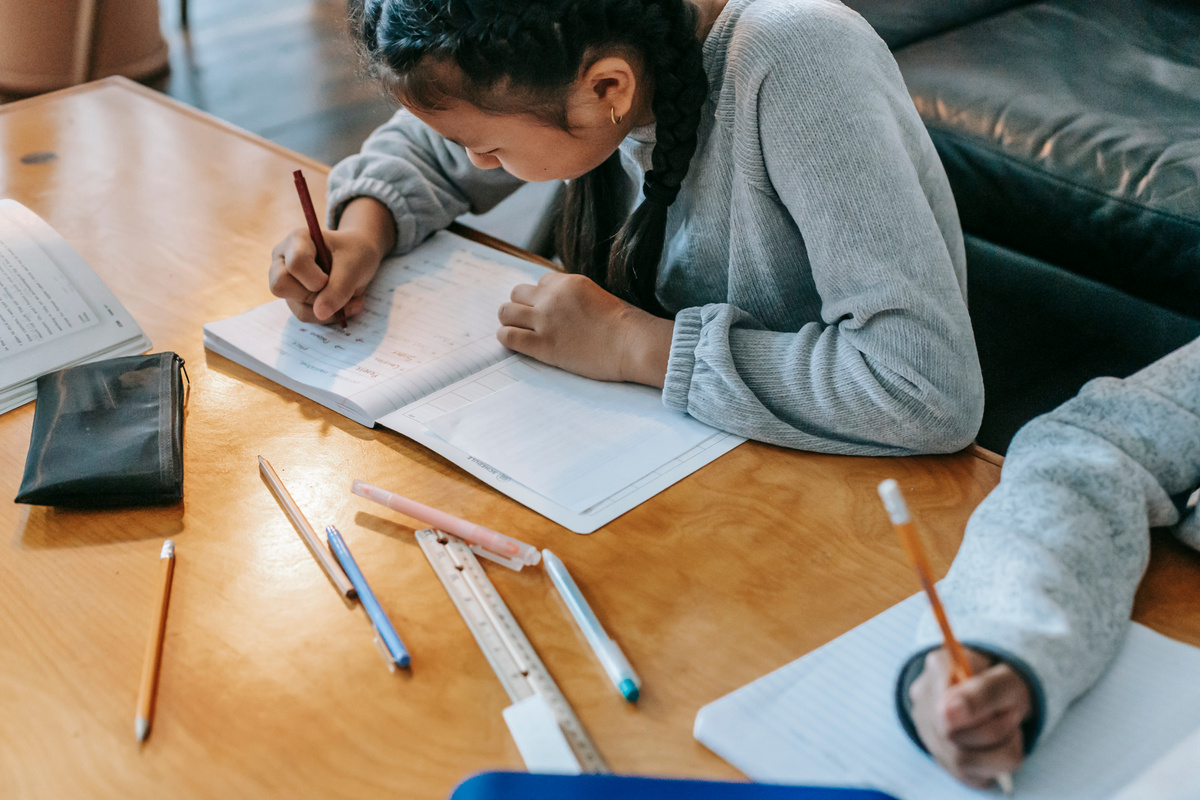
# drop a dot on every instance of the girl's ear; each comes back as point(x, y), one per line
point(609, 89)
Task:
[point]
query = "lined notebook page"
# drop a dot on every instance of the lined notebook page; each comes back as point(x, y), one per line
point(829, 718)
point(593, 450)
point(429, 319)
point(423, 360)
point(573, 440)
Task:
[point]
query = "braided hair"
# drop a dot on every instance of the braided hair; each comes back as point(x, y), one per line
point(507, 56)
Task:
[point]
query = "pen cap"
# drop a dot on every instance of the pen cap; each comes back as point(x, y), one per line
point(527, 553)
point(893, 501)
point(616, 664)
point(512, 563)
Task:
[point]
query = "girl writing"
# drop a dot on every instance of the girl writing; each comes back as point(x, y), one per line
point(755, 219)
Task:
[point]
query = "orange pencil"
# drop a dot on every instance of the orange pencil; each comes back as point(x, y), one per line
point(893, 501)
point(146, 692)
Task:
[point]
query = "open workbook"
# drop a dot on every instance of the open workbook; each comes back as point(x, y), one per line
point(829, 718)
point(422, 359)
point(55, 312)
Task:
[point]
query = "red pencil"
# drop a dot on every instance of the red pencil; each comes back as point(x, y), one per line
point(324, 257)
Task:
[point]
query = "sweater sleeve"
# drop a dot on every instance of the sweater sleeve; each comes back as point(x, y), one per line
point(1052, 558)
point(423, 179)
point(891, 368)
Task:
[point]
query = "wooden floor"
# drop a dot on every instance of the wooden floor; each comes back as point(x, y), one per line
point(287, 71)
point(284, 69)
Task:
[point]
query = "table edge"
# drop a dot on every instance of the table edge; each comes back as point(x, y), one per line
point(125, 84)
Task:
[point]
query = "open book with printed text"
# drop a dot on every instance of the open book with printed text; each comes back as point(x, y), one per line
point(55, 312)
point(422, 359)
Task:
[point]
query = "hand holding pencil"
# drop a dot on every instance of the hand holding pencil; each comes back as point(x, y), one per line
point(324, 258)
point(967, 710)
point(323, 275)
point(971, 727)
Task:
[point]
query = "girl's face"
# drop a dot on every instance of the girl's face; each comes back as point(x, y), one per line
point(534, 150)
point(523, 145)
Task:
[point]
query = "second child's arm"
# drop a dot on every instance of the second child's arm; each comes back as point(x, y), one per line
point(1051, 560)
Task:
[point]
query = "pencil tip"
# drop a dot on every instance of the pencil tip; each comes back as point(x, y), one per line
point(141, 728)
point(1005, 782)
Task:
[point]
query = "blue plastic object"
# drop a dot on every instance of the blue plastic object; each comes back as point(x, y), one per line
point(526, 786)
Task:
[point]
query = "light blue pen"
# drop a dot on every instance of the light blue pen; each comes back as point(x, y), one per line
point(606, 650)
point(397, 653)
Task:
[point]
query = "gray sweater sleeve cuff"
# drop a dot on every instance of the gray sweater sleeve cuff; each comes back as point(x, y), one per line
point(385, 193)
point(1031, 727)
point(682, 360)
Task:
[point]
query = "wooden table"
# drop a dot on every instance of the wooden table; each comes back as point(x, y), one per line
point(270, 683)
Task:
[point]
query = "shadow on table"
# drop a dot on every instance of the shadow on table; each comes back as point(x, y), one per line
point(44, 527)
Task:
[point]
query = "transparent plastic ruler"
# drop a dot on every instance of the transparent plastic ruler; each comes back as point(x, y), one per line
point(511, 655)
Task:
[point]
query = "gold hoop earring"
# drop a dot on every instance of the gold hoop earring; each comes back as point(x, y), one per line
point(612, 114)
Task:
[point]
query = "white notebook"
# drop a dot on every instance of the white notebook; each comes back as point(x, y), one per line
point(829, 719)
point(422, 359)
point(55, 312)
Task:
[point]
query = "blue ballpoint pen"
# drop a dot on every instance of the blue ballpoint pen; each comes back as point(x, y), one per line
point(606, 650)
point(397, 653)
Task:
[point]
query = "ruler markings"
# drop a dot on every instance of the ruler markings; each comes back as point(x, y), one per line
point(504, 644)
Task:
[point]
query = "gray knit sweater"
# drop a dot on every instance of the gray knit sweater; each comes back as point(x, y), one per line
point(814, 258)
point(1051, 559)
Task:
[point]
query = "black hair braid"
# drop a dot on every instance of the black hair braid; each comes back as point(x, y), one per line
point(680, 90)
point(536, 49)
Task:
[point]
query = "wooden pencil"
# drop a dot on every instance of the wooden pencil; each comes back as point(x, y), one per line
point(150, 664)
point(332, 569)
point(910, 541)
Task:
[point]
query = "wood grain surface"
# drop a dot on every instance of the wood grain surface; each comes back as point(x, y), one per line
point(270, 684)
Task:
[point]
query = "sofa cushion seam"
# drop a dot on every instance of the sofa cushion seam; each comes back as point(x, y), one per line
point(1022, 164)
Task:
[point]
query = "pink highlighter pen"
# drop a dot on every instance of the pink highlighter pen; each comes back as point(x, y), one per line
point(487, 542)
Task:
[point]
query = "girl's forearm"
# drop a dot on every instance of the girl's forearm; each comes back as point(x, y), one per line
point(647, 349)
point(372, 221)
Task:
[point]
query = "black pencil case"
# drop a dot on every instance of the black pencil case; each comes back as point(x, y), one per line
point(108, 433)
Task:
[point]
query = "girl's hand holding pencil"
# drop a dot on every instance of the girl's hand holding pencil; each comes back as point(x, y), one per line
point(971, 727)
point(364, 237)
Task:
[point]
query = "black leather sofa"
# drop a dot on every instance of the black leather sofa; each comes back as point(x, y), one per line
point(1070, 131)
